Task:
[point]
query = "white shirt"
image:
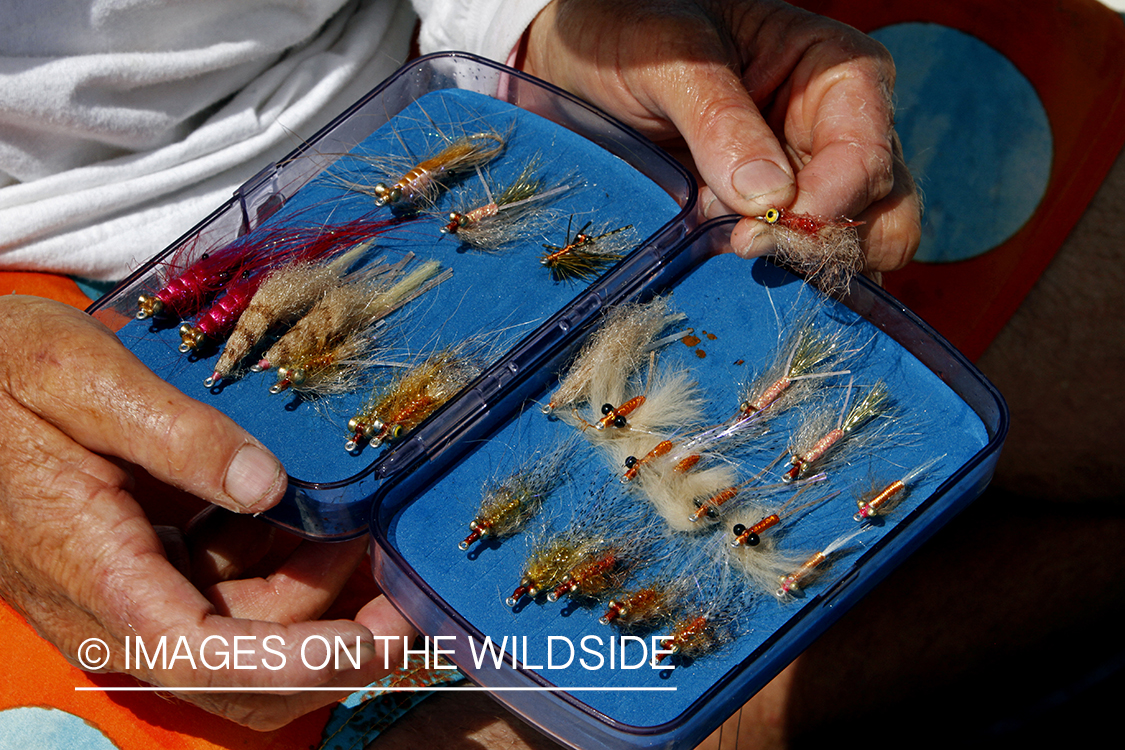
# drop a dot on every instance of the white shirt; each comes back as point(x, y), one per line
point(125, 122)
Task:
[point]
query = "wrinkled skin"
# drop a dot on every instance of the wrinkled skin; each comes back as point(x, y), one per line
point(777, 107)
point(82, 560)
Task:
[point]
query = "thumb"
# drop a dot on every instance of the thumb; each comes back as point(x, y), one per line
point(75, 374)
point(737, 154)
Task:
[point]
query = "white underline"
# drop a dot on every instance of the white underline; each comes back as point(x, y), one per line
point(368, 688)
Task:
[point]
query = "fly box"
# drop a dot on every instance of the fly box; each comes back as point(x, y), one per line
point(612, 473)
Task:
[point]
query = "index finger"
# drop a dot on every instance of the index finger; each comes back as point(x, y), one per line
point(840, 123)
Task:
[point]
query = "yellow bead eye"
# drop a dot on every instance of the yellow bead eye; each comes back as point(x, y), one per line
point(772, 216)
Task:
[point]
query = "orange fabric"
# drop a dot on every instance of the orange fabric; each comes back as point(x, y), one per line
point(1073, 53)
point(50, 285)
point(37, 675)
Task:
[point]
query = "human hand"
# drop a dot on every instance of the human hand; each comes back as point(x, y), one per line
point(779, 108)
point(81, 560)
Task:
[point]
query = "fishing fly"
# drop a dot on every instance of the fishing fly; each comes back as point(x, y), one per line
point(509, 216)
point(349, 309)
point(612, 354)
point(825, 251)
point(802, 360)
point(790, 584)
point(508, 505)
point(284, 296)
point(709, 619)
point(585, 255)
point(188, 291)
point(881, 501)
point(813, 442)
point(418, 186)
point(399, 406)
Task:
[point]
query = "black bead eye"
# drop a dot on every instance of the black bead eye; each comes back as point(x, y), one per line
point(739, 529)
point(620, 422)
point(753, 540)
point(607, 408)
point(630, 462)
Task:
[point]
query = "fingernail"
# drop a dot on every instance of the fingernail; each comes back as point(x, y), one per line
point(748, 240)
point(367, 653)
point(252, 476)
point(761, 178)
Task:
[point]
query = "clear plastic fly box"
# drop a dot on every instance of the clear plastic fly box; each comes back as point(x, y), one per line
point(613, 474)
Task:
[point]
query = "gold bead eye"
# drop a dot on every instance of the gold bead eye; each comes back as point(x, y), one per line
point(456, 221)
point(772, 216)
point(148, 306)
point(190, 337)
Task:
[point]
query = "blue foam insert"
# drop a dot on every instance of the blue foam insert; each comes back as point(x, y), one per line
point(496, 298)
point(737, 304)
